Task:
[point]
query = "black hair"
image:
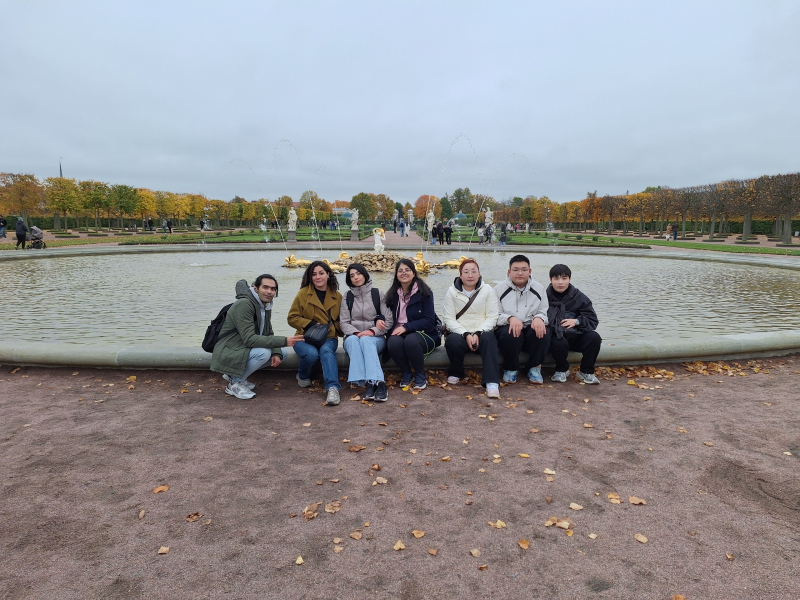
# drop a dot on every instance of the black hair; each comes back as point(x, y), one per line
point(333, 283)
point(260, 278)
point(392, 294)
point(361, 269)
point(560, 270)
point(519, 258)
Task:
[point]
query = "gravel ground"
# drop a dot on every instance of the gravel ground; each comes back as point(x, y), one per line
point(714, 454)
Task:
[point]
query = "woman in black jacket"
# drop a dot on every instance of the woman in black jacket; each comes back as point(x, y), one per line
point(22, 233)
point(573, 323)
point(414, 333)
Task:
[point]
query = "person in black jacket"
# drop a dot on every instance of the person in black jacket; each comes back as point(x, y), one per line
point(573, 323)
point(414, 333)
point(22, 233)
point(448, 231)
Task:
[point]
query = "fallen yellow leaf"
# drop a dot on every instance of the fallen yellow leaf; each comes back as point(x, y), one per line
point(445, 459)
point(195, 516)
point(549, 472)
point(433, 551)
point(337, 549)
point(640, 538)
point(575, 506)
point(524, 544)
point(299, 560)
point(163, 550)
point(498, 524)
point(475, 552)
point(592, 536)
point(141, 514)
point(522, 455)
point(306, 424)
point(635, 500)
point(356, 535)
point(483, 567)
point(399, 545)
point(569, 533)
point(729, 556)
point(161, 488)
point(588, 426)
point(417, 533)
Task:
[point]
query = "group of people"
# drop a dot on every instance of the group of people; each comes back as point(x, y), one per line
point(442, 233)
point(518, 315)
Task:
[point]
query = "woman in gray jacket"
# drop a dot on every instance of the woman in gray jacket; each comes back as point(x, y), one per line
point(365, 319)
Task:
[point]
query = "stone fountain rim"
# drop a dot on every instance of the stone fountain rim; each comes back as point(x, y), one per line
point(99, 355)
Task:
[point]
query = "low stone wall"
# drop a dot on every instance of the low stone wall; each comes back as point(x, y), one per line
point(720, 347)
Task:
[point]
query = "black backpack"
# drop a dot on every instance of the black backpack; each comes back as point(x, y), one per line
point(376, 302)
point(212, 331)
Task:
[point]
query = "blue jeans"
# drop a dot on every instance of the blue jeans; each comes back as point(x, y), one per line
point(326, 355)
point(365, 358)
point(259, 357)
point(2, 232)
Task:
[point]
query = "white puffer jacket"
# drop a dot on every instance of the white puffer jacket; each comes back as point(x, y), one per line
point(482, 314)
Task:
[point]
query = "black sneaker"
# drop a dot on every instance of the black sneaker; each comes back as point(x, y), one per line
point(381, 393)
point(420, 381)
point(406, 380)
point(369, 393)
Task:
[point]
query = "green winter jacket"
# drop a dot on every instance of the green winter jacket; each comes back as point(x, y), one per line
point(232, 351)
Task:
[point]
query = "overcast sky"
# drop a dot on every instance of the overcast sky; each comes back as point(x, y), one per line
point(262, 99)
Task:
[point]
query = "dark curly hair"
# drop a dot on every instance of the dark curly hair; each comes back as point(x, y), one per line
point(333, 283)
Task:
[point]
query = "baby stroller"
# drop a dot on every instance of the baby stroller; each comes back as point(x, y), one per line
point(36, 242)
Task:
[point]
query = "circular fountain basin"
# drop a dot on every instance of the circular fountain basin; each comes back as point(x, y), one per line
point(134, 308)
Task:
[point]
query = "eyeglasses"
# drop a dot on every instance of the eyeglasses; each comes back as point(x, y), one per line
point(525, 270)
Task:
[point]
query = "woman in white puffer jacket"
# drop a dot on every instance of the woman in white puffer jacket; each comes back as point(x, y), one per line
point(470, 316)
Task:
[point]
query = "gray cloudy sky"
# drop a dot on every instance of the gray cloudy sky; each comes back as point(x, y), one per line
point(402, 98)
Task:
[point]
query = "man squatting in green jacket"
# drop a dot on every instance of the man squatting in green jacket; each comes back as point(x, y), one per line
point(246, 341)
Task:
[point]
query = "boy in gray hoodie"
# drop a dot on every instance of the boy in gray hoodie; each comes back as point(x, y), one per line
point(522, 325)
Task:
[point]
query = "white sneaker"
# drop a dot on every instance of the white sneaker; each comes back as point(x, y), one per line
point(559, 376)
point(239, 391)
point(303, 383)
point(492, 390)
point(247, 384)
point(333, 397)
point(588, 378)
point(452, 380)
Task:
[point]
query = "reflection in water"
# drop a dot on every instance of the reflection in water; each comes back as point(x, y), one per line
point(169, 299)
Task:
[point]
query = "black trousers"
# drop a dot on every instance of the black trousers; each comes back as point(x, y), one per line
point(447, 235)
point(510, 347)
point(408, 352)
point(21, 238)
point(441, 238)
point(587, 344)
point(456, 347)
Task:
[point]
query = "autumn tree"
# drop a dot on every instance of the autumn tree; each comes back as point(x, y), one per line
point(385, 205)
point(366, 206)
point(425, 203)
point(94, 198)
point(63, 197)
point(22, 194)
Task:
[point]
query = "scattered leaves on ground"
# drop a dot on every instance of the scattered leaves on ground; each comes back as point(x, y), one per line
point(498, 524)
point(161, 488)
point(310, 511)
point(333, 507)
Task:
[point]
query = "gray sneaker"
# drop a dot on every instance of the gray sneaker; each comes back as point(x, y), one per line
point(247, 384)
point(559, 376)
point(304, 383)
point(588, 378)
point(237, 390)
point(333, 397)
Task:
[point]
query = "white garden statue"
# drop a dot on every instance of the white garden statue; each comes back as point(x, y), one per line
point(354, 219)
point(292, 225)
point(431, 219)
point(380, 238)
point(489, 217)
